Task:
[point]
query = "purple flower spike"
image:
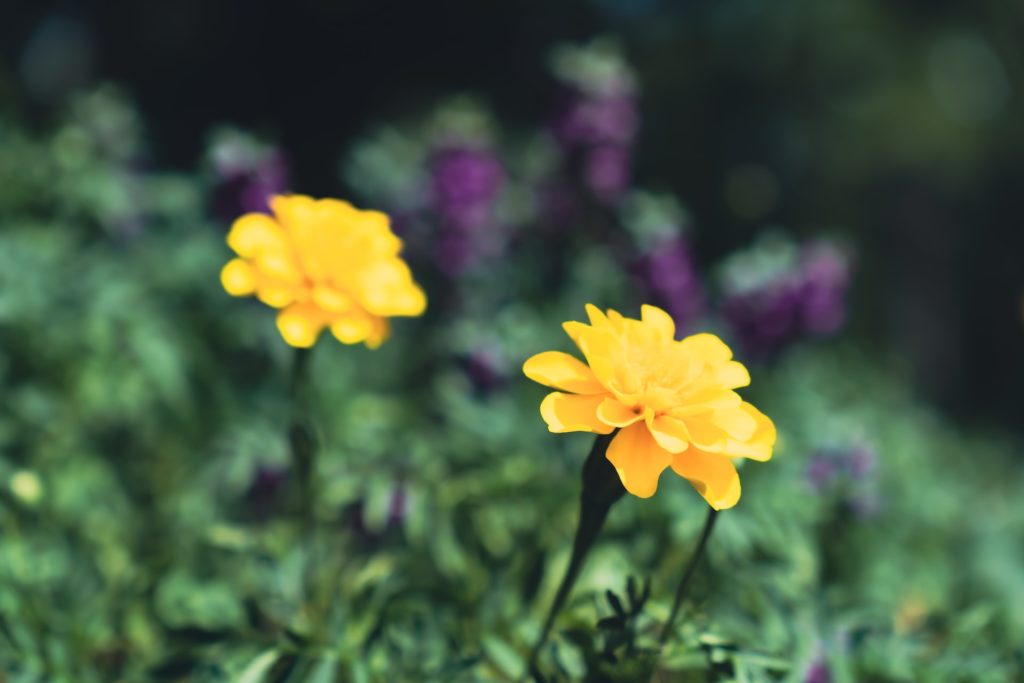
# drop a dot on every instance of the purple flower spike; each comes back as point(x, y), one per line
point(597, 117)
point(818, 672)
point(776, 294)
point(825, 272)
point(246, 175)
point(671, 278)
point(466, 183)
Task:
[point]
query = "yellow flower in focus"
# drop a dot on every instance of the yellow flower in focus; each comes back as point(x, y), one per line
point(323, 263)
point(673, 402)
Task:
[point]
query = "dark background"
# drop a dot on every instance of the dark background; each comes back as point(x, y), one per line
point(837, 99)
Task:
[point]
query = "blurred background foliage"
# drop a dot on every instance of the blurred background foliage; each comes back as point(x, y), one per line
point(833, 187)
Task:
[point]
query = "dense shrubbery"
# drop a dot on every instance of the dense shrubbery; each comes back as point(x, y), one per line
point(150, 526)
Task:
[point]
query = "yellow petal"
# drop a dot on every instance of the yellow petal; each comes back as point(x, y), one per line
point(714, 476)
point(562, 371)
point(379, 333)
point(596, 345)
point(279, 265)
point(760, 445)
point(256, 233)
point(705, 434)
point(274, 294)
point(658, 319)
point(597, 318)
point(386, 288)
point(238, 278)
point(737, 423)
point(732, 375)
point(615, 413)
point(670, 433)
point(615, 320)
point(293, 210)
point(571, 413)
point(352, 327)
point(638, 459)
point(300, 325)
point(574, 330)
point(330, 299)
point(707, 348)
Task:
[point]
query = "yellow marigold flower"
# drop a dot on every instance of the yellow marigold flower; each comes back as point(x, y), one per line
point(324, 263)
point(673, 402)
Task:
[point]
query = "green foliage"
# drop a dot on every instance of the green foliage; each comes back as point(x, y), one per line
point(141, 405)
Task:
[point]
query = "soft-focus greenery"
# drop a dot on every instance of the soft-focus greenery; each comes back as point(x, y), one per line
point(140, 404)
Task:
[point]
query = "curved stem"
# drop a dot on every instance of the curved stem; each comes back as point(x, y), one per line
point(300, 432)
point(601, 488)
point(684, 584)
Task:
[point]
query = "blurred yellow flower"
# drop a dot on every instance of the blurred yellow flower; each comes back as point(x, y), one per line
point(673, 402)
point(324, 263)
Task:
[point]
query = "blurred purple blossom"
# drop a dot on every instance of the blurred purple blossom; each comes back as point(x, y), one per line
point(465, 182)
point(818, 672)
point(597, 117)
point(591, 118)
point(246, 174)
point(801, 294)
point(485, 370)
point(848, 473)
point(670, 277)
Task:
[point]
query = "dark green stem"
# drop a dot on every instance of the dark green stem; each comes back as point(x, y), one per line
point(300, 433)
point(684, 584)
point(601, 488)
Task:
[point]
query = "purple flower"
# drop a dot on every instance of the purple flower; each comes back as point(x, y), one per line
point(606, 171)
point(825, 275)
point(585, 119)
point(485, 370)
point(465, 184)
point(800, 293)
point(671, 280)
point(596, 119)
point(246, 175)
point(846, 473)
point(821, 471)
point(818, 672)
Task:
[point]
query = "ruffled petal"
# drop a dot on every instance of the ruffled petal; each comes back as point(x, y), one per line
point(638, 459)
point(353, 326)
point(761, 444)
point(379, 332)
point(575, 330)
point(571, 413)
point(732, 375)
point(563, 372)
point(300, 325)
point(714, 476)
point(256, 233)
point(737, 423)
point(597, 318)
point(705, 434)
point(386, 288)
point(615, 413)
point(707, 348)
point(330, 299)
point(238, 278)
point(670, 433)
point(659, 320)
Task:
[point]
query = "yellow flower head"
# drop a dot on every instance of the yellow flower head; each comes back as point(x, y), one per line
point(324, 263)
point(673, 402)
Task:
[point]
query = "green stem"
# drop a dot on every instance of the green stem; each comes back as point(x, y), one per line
point(684, 584)
point(601, 488)
point(300, 433)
